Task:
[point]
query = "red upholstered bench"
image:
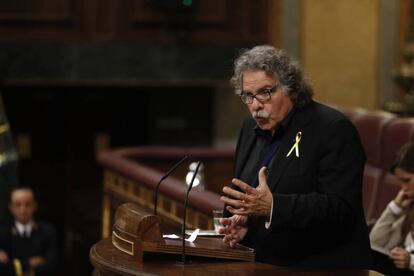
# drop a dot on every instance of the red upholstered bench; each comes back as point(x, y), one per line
point(382, 135)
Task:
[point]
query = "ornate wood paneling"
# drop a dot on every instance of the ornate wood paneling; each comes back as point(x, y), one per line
point(57, 20)
point(240, 21)
point(207, 12)
point(231, 21)
point(29, 10)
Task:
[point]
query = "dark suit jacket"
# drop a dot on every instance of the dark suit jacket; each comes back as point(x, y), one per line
point(318, 218)
point(42, 242)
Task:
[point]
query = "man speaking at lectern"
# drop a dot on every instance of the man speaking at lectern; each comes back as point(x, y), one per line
point(296, 197)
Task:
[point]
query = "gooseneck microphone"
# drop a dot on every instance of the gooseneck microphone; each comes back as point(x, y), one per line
point(164, 177)
point(183, 257)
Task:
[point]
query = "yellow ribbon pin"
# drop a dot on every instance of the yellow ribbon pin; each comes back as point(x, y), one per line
point(296, 145)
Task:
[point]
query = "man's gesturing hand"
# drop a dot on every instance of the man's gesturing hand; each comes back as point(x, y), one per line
point(252, 201)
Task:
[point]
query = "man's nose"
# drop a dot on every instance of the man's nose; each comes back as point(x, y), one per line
point(256, 103)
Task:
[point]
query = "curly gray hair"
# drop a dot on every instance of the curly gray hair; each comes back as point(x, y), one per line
point(277, 64)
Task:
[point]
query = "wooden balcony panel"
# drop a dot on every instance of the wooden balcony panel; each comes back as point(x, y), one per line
point(131, 175)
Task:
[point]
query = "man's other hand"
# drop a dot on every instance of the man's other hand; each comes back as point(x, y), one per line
point(3, 256)
point(36, 261)
point(234, 230)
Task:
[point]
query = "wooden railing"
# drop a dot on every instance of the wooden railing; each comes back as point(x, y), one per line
point(131, 175)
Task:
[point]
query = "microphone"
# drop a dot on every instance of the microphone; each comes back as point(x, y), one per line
point(183, 258)
point(164, 177)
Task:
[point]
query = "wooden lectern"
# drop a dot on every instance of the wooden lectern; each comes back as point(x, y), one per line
point(136, 231)
point(132, 241)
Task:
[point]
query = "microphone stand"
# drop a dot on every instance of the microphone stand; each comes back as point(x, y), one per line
point(155, 200)
point(184, 260)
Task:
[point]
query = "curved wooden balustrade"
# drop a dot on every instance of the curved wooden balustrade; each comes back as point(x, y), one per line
point(131, 175)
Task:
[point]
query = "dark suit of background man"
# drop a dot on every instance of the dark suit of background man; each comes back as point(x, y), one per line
point(26, 246)
point(305, 208)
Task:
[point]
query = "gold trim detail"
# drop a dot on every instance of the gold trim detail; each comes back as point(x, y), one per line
point(106, 216)
point(4, 128)
point(136, 192)
point(114, 242)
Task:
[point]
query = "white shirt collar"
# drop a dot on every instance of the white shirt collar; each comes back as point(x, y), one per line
point(22, 228)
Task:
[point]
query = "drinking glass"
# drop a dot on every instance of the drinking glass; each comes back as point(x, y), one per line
point(217, 215)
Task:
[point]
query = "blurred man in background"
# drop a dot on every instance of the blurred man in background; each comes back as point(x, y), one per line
point(27, 246)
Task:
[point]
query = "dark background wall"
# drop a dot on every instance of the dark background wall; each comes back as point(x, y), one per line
point(78, 76)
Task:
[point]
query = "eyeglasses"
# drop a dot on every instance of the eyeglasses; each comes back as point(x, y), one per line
point(262, 96)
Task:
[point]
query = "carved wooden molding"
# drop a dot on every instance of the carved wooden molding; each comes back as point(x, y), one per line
point(207, 12)
point(40, 10)
point(234, 21)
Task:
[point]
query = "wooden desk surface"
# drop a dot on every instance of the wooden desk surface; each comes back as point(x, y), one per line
point(109, 261)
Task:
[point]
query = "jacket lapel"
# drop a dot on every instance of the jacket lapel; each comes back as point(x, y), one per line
point(281, 161)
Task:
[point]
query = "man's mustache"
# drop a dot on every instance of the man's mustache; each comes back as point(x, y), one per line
point(260, 114)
